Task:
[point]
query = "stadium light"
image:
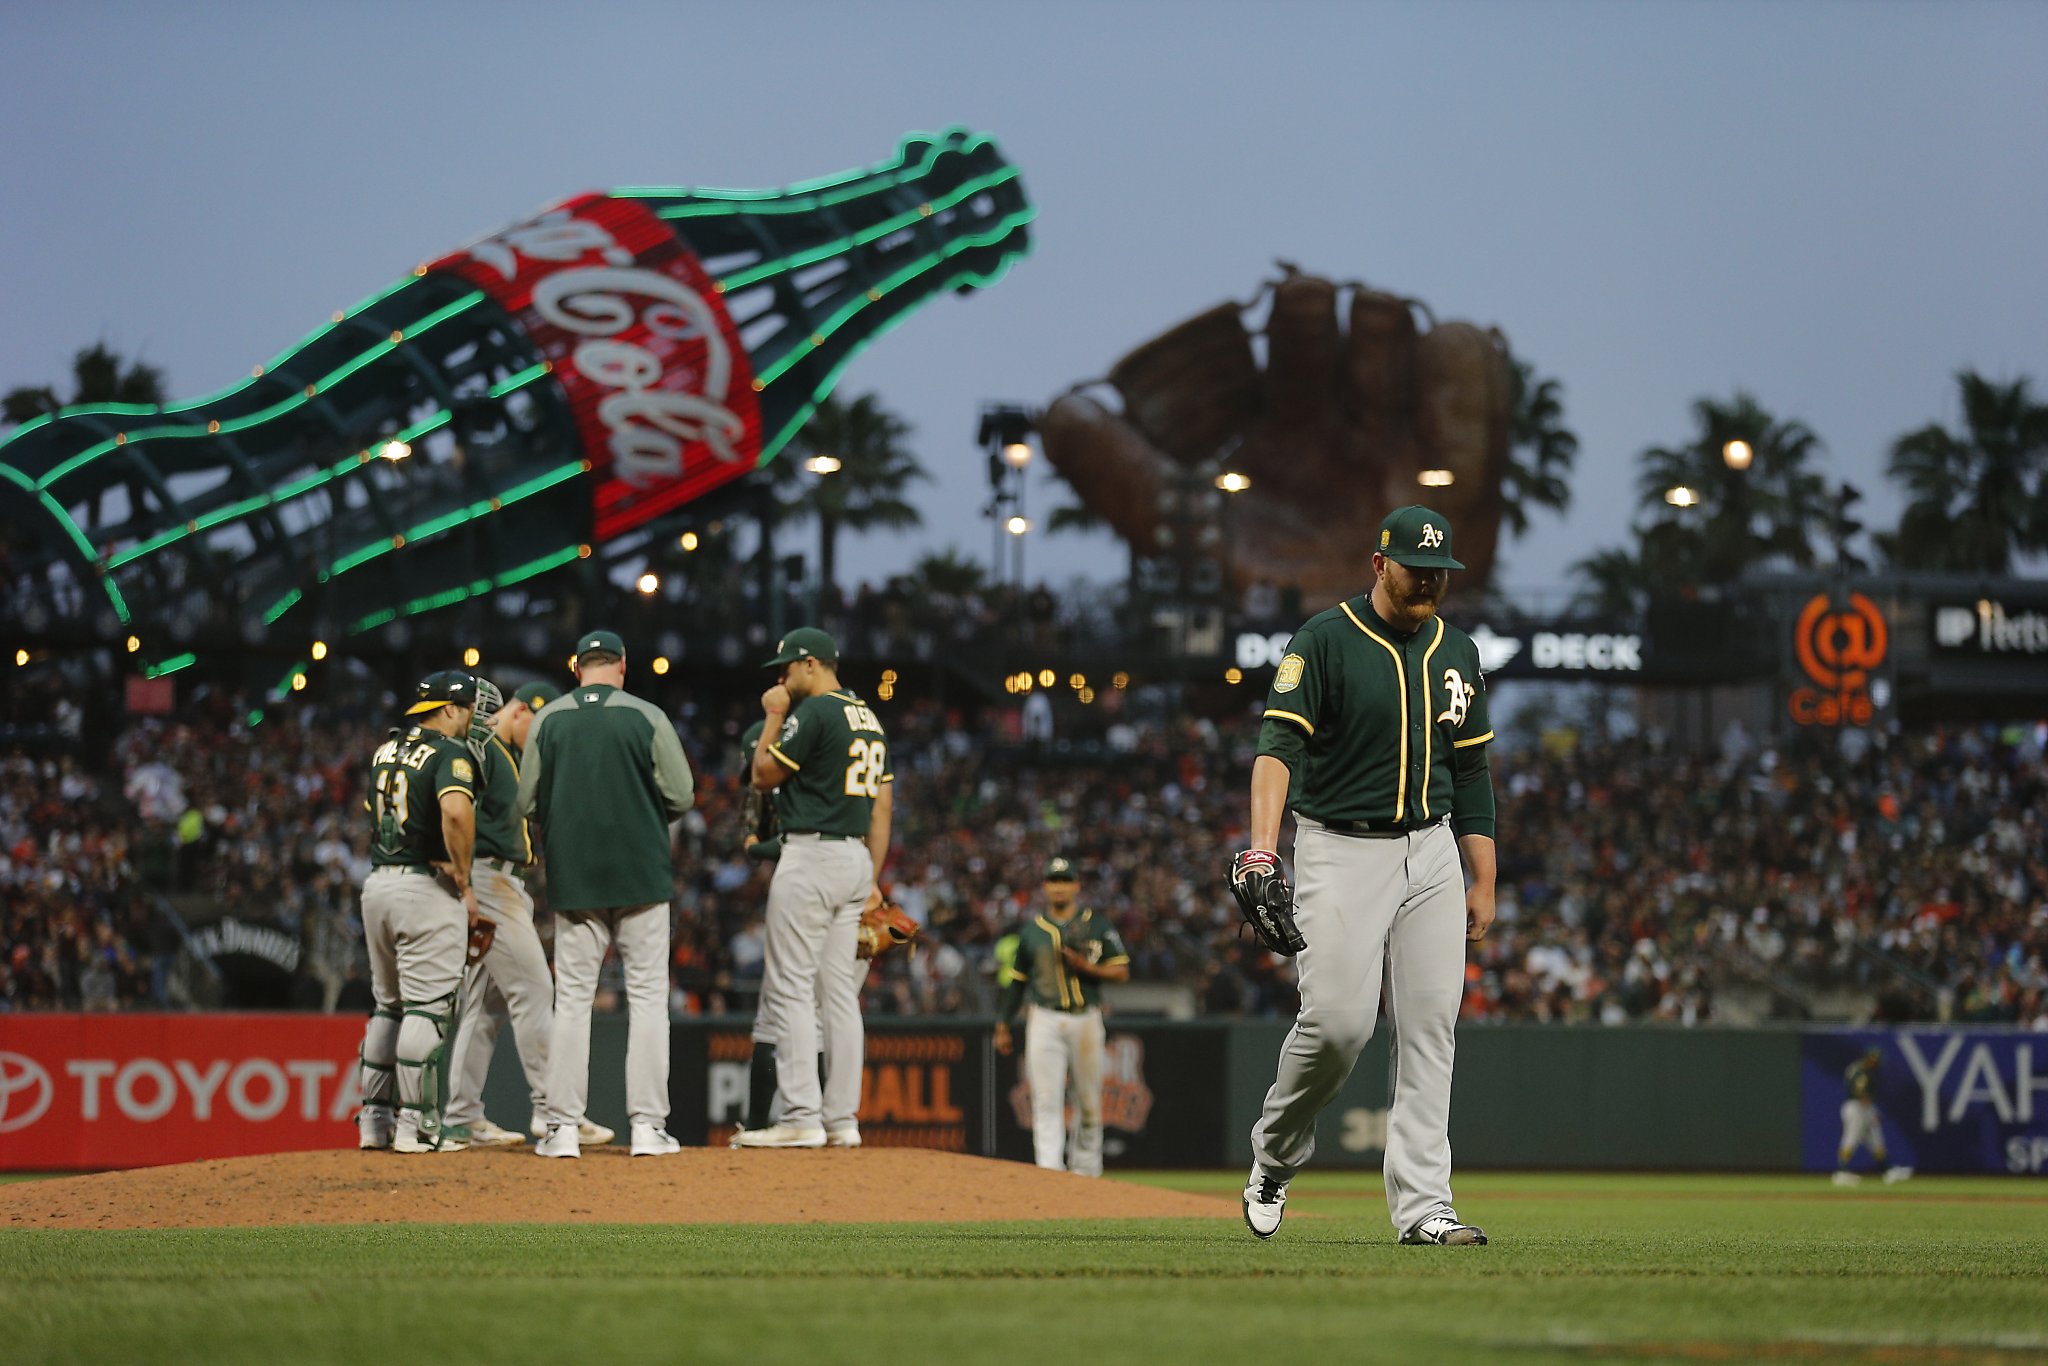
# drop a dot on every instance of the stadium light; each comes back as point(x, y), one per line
point(661, 664)
point(1737, 454)
point(1681, 497)
point(134, 644)
point(1017, 526)
point(688, 540)
point(649, 584)
point(298, 682)
point(395, 450)
point(1046, 678)
point(319, 650)
point(824, 464)
point(471, 657)
point(1233, 675)
point(1230, 481)
point(1436, 479)
point(21, 659)
point(1017, 454)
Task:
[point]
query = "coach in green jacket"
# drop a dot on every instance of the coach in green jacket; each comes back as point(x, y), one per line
point(604, 775)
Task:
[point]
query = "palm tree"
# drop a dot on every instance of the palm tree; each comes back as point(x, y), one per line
point(97, 376)
point(867, 489)
point(1773, 509)
point(1541, 450)
point(948, 571)
point(1613, 583)
point(1974, 498)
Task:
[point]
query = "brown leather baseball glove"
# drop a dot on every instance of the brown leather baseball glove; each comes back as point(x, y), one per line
point(481, 935)
point(883, 928)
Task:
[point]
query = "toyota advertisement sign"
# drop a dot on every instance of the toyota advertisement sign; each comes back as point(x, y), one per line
point(85, 1092)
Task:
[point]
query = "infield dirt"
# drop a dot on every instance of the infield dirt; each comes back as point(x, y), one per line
point(695, 1186)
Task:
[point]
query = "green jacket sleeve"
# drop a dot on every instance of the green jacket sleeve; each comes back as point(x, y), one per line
point(671, 769)
point(1472, 808)
point(529, 775)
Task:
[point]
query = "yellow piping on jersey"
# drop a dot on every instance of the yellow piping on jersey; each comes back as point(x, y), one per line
point(784, 759)
point(1295, 717)
point(1059, 963)
point(1400, 672)
point(1429, 726)
point(525, 831)
point(1474, 740)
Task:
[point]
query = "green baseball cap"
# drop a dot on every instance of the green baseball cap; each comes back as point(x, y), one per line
point(448, 687)
point(600, 640)
point(1060, 868)
point(536, 695)
point(805, 642)
point(1418, 538)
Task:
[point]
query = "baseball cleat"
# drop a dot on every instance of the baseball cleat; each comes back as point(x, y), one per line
point(1444, 1230)
point(593, 1135)
point(847, 1137)
point(779, 1136)
point(1894, 1175)
point(1265, 1202)
point(484, 1134)
point(409, 1139)
point(651, 1140)
point(559, 1141)
point(1847, 1179)
point(375, 1127)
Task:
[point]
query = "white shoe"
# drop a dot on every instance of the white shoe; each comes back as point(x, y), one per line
point(846, 1137)
point(375, 1126)
point(1848, 1179)
point(407, 1138)
point(1894, 1175)
point(484, 1134)
point(651, 1140)
point(779, 1136)
point(1265, 1202)
point(1444, 1230)
point(588, 1133)
point(559, 1141)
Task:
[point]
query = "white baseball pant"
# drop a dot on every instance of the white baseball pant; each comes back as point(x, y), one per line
point(581, 938)
point(512, 985)
point(1057, 1043)
point(810, 983)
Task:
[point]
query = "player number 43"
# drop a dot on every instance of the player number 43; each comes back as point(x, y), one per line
point(864, 773)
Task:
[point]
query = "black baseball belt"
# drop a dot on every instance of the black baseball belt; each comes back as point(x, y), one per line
point(1379, 830)
point(503, 865)
point(816, 834)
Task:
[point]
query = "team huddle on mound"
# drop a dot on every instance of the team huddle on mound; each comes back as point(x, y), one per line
point(1374, 735)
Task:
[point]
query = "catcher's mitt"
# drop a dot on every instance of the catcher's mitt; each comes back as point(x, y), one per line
point(882, 929)
point(1266, 901)
point(757, 815)
point(482, 935)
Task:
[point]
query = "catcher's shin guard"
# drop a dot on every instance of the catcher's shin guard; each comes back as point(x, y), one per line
point(378, 1055)
point(761, 1087)
point(424, 1037)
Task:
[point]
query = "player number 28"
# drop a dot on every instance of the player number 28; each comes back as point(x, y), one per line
point(864, 774)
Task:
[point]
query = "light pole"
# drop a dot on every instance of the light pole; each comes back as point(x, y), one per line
point(1005, 433)
point(824, 467)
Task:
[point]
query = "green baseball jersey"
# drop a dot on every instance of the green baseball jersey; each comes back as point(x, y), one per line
point(408, 775)
point(500, 833)
point(1048, 982)
point(1385, 715)
point(838, 758)
point(765, 850)
point(1861, 1079)
point(602, 776)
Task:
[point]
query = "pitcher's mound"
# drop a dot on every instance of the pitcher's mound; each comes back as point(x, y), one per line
point(695, 1186)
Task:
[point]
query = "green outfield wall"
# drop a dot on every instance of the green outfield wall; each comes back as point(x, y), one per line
point(1527, 1096)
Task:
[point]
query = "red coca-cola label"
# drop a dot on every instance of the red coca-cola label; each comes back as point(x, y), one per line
point(640, 342)
point(97, 1091)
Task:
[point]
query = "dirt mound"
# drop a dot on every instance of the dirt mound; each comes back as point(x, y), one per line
point(696, 1186)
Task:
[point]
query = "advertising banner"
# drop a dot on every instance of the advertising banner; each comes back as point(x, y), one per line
point(1162, 1101)
point(1948, 1100)
point(923, 1085)
point(84, 1092)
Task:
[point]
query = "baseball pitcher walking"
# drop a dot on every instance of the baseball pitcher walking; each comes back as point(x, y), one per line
point(417, 908)
point(1375, 733)
point(1063, 957)
point(603, 776)
point(824, 753)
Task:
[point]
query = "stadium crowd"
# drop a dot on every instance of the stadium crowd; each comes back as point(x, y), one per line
point(1634, 884)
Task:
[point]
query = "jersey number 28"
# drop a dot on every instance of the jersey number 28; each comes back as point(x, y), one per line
point(864, 772)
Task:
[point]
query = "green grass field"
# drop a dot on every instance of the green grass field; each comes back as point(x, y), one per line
point(1678, 1268)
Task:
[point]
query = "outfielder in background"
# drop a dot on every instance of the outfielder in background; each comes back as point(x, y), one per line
point(1062, 959)
point(510, 983)
point(603, 775)
point(1862, 1126)
point(823, 752)
point(418, 905)
point(1375, 732)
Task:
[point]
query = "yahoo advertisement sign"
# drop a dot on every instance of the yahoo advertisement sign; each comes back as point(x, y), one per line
point(1950, 1100)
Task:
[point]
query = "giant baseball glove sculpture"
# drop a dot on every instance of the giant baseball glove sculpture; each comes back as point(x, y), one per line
point(1354, 403)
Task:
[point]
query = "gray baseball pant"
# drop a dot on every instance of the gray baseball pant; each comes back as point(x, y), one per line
point(416, 933)
point(1055, 1043)
point(581, 937)
point(1374, 911)
point(811, 980)
point(510, 984)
